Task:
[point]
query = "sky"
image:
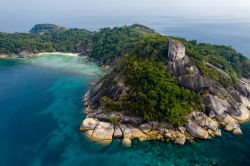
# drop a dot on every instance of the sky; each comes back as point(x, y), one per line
point(92, 7)
point(22, 14)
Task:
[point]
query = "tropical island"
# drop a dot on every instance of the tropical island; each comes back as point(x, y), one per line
point(157, 87)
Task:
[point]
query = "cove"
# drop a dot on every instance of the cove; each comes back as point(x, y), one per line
point(41, 110)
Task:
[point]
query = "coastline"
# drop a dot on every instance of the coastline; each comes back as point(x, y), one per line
point(34, 55)
point(103, 130)
point(2, 56)
point(58, 53)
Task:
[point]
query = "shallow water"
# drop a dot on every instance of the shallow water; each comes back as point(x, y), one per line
point(41, 110)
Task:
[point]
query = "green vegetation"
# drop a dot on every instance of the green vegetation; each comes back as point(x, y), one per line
point(114, 120)
point(107, 44)
point(154, 93)
point(66, 41)
point(224, 57)
point(47, 28)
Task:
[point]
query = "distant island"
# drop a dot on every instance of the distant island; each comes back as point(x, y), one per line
point(157, 87)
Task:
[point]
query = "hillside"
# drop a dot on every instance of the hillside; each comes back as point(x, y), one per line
point(105, 45)
point(165, 94)
point(47, 28)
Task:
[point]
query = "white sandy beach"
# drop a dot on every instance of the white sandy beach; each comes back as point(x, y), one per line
point(57, 53)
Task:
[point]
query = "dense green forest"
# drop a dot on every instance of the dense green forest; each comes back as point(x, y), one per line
point(154, 94)
point(107, 44)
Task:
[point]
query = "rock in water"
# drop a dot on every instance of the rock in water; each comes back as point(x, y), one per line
point(197, 131)
point(103, 132)
point(180, 140)
point(118, 132)
point(237, 130)
point(217, 133)
point(127, 142)
point(138, 134)
point(88, 124)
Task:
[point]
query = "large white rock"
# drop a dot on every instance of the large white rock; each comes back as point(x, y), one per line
point(176, 51)
point(138, 134)
point(126, 131)
point(211, 124)
point(103, 132)
point(196, 130)
point(217, 133)
point(237, 130)
point(231, 126)
point(118, 132)
point(244, 114)
point(126, 142)
point(88, 124)
point(180, 140)
point(145, 127)
point(230, 123)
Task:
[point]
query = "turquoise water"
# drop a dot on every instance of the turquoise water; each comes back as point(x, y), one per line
point(41, 110)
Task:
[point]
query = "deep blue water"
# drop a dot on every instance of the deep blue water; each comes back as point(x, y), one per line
point(41, 110)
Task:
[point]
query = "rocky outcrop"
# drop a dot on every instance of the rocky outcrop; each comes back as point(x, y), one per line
point(99, 131)
point(26, 54)
point(195, 82)
point(244, 87)
point(218, 70)
point(196, 130)
point(111, 86)
point(224, 107)
point(176, 51)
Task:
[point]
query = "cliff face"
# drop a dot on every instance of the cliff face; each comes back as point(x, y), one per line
point(224, 106)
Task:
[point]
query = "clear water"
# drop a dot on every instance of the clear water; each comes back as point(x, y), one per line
point(41, 110)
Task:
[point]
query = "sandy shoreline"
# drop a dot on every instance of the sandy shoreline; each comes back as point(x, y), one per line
point(2, 56)
point(57, 53)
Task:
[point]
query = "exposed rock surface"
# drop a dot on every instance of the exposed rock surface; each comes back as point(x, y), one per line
point(126, 142)
point(197, 131)
point(218, 70)
point(118, 132)
point(88, 124)
point(103, 132)
point(176, 51)
point(223, 107)
point(180, 140)
point(26, 54)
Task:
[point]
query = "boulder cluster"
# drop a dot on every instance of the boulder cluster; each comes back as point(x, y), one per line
point(224, 107)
